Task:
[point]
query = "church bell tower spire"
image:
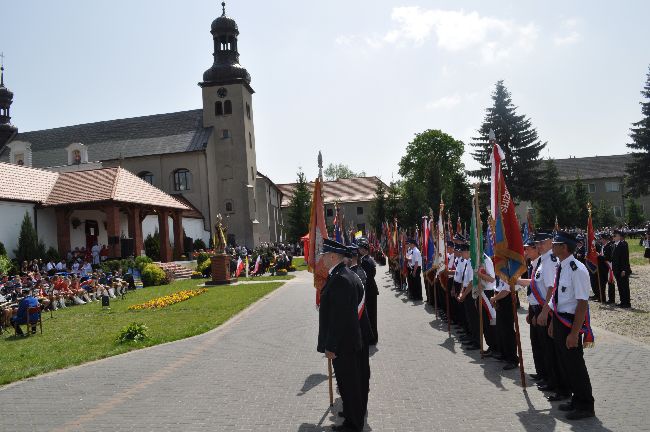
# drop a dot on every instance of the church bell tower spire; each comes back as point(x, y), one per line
point(7, 130)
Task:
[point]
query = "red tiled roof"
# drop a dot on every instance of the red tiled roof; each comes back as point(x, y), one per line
point(193, 212)
point(357, 189)
point(21, 183)
point(77, 187)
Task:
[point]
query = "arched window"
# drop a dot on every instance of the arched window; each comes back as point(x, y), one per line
point(227, 107)
point(76, 157)
point(182, 180)
point(218, 108)
point(248, 111)
point(229, 207)
point(146, 176)
point(250, 140)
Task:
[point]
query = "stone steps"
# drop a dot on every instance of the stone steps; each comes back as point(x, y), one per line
point(179, 271)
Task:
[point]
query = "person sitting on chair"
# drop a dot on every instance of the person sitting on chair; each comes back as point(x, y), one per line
point(29, 301)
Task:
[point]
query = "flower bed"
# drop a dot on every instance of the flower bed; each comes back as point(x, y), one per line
point(161, 302)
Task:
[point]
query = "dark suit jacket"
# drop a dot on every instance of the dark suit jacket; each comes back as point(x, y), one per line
point(368, 265)
point(364, 322)
point(621, 258)
point(339, 330)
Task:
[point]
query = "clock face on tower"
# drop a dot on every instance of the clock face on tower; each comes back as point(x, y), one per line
point(222, 92)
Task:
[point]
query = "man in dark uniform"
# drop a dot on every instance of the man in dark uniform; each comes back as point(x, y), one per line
point(570, 300)
point(604, 264)
point(581, 251)
point(372, 291)
point(366, 331)
point(621, 268)
point(339, 332)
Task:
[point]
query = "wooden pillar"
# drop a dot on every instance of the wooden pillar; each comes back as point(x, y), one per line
point(113, 230)
point(63, 230)
point(179, 241)
point(135, 230)
point(163, 230)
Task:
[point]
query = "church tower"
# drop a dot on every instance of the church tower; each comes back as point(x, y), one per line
point(7, 130)
point(230, 153)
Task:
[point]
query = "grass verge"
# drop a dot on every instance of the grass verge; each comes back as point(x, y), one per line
point(80, 334)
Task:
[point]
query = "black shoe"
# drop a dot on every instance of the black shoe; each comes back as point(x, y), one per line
point(579, 415)
point(557, 397)
point(510, 366)
point(487, 353)
point(546, 388)
point(472, 347)
point(566, 406)
point(536, 377)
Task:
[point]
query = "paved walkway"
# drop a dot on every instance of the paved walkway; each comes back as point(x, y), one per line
point(260, 371)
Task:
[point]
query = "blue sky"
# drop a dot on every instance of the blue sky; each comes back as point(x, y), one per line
point(355, 79)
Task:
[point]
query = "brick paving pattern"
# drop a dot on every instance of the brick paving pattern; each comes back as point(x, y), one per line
point(260, 372)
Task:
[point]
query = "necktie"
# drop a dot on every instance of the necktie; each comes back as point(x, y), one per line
point(557, 282)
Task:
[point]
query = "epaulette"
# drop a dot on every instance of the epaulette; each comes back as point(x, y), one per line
point(553, 258)
point(573, 265)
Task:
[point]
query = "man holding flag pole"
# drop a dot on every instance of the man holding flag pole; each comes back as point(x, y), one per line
point(509, 262)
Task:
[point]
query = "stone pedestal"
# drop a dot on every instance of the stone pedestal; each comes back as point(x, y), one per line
point(220, 265)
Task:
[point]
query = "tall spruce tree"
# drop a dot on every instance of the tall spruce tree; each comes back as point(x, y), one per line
point(604, 215)
point(29, 247)
point(378, 214)
point(579, 201)
point(551, 200)
point(519, 141)
point(393, 203)
point(299, 209)
point(638, 181)
point(633, 213)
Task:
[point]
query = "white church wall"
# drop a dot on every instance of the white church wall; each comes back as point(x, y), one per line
point(46, 227)
point(150, 224)
point(12, 214)
point(194, 228)
point(78, 235)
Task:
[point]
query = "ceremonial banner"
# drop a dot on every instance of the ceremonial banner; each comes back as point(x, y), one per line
point(317, 232)
point(592, 254)
point(338, 232)
point(489, 244)
point(240, 267)
point(441, 255)
point(509, 262)
point(476, 245)
point(425, 243)
point(431, 248)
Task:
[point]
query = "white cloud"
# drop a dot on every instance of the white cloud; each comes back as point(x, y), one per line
point(570, 33)
point(445, 102)
point(454, 31)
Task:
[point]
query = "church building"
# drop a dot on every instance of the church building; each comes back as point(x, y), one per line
point(205, 158)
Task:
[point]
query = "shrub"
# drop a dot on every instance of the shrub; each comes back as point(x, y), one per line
point(3, 251)
point(292, 268)
point(199, 244)
point(152, 246)
point(52, 254)
point(200, 259)
point(142, 261)
point(5, 265)
point(197, 275)
point(152, 275)
point(126, 264)
point(281, 272)
point(136, 332)
point(110, 266)
point(205, 267)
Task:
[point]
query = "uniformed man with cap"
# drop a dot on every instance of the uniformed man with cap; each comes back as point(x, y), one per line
point(621, 268)
point(366, 331)
point(372, 291)
point(535, 303)
point(570, 322)
point(555, 379)
point(339, 332)
point(415, 271)
point(472, 340)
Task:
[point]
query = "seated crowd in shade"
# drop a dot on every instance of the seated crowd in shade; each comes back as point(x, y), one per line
point(51, 286)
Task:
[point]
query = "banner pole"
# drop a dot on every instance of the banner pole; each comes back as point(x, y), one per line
point(517, 335)
point(329, 372)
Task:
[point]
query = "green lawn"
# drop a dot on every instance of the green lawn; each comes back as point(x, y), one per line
point(266, 278)
point(636, 253)
point(83, 333)
point(300, 264)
